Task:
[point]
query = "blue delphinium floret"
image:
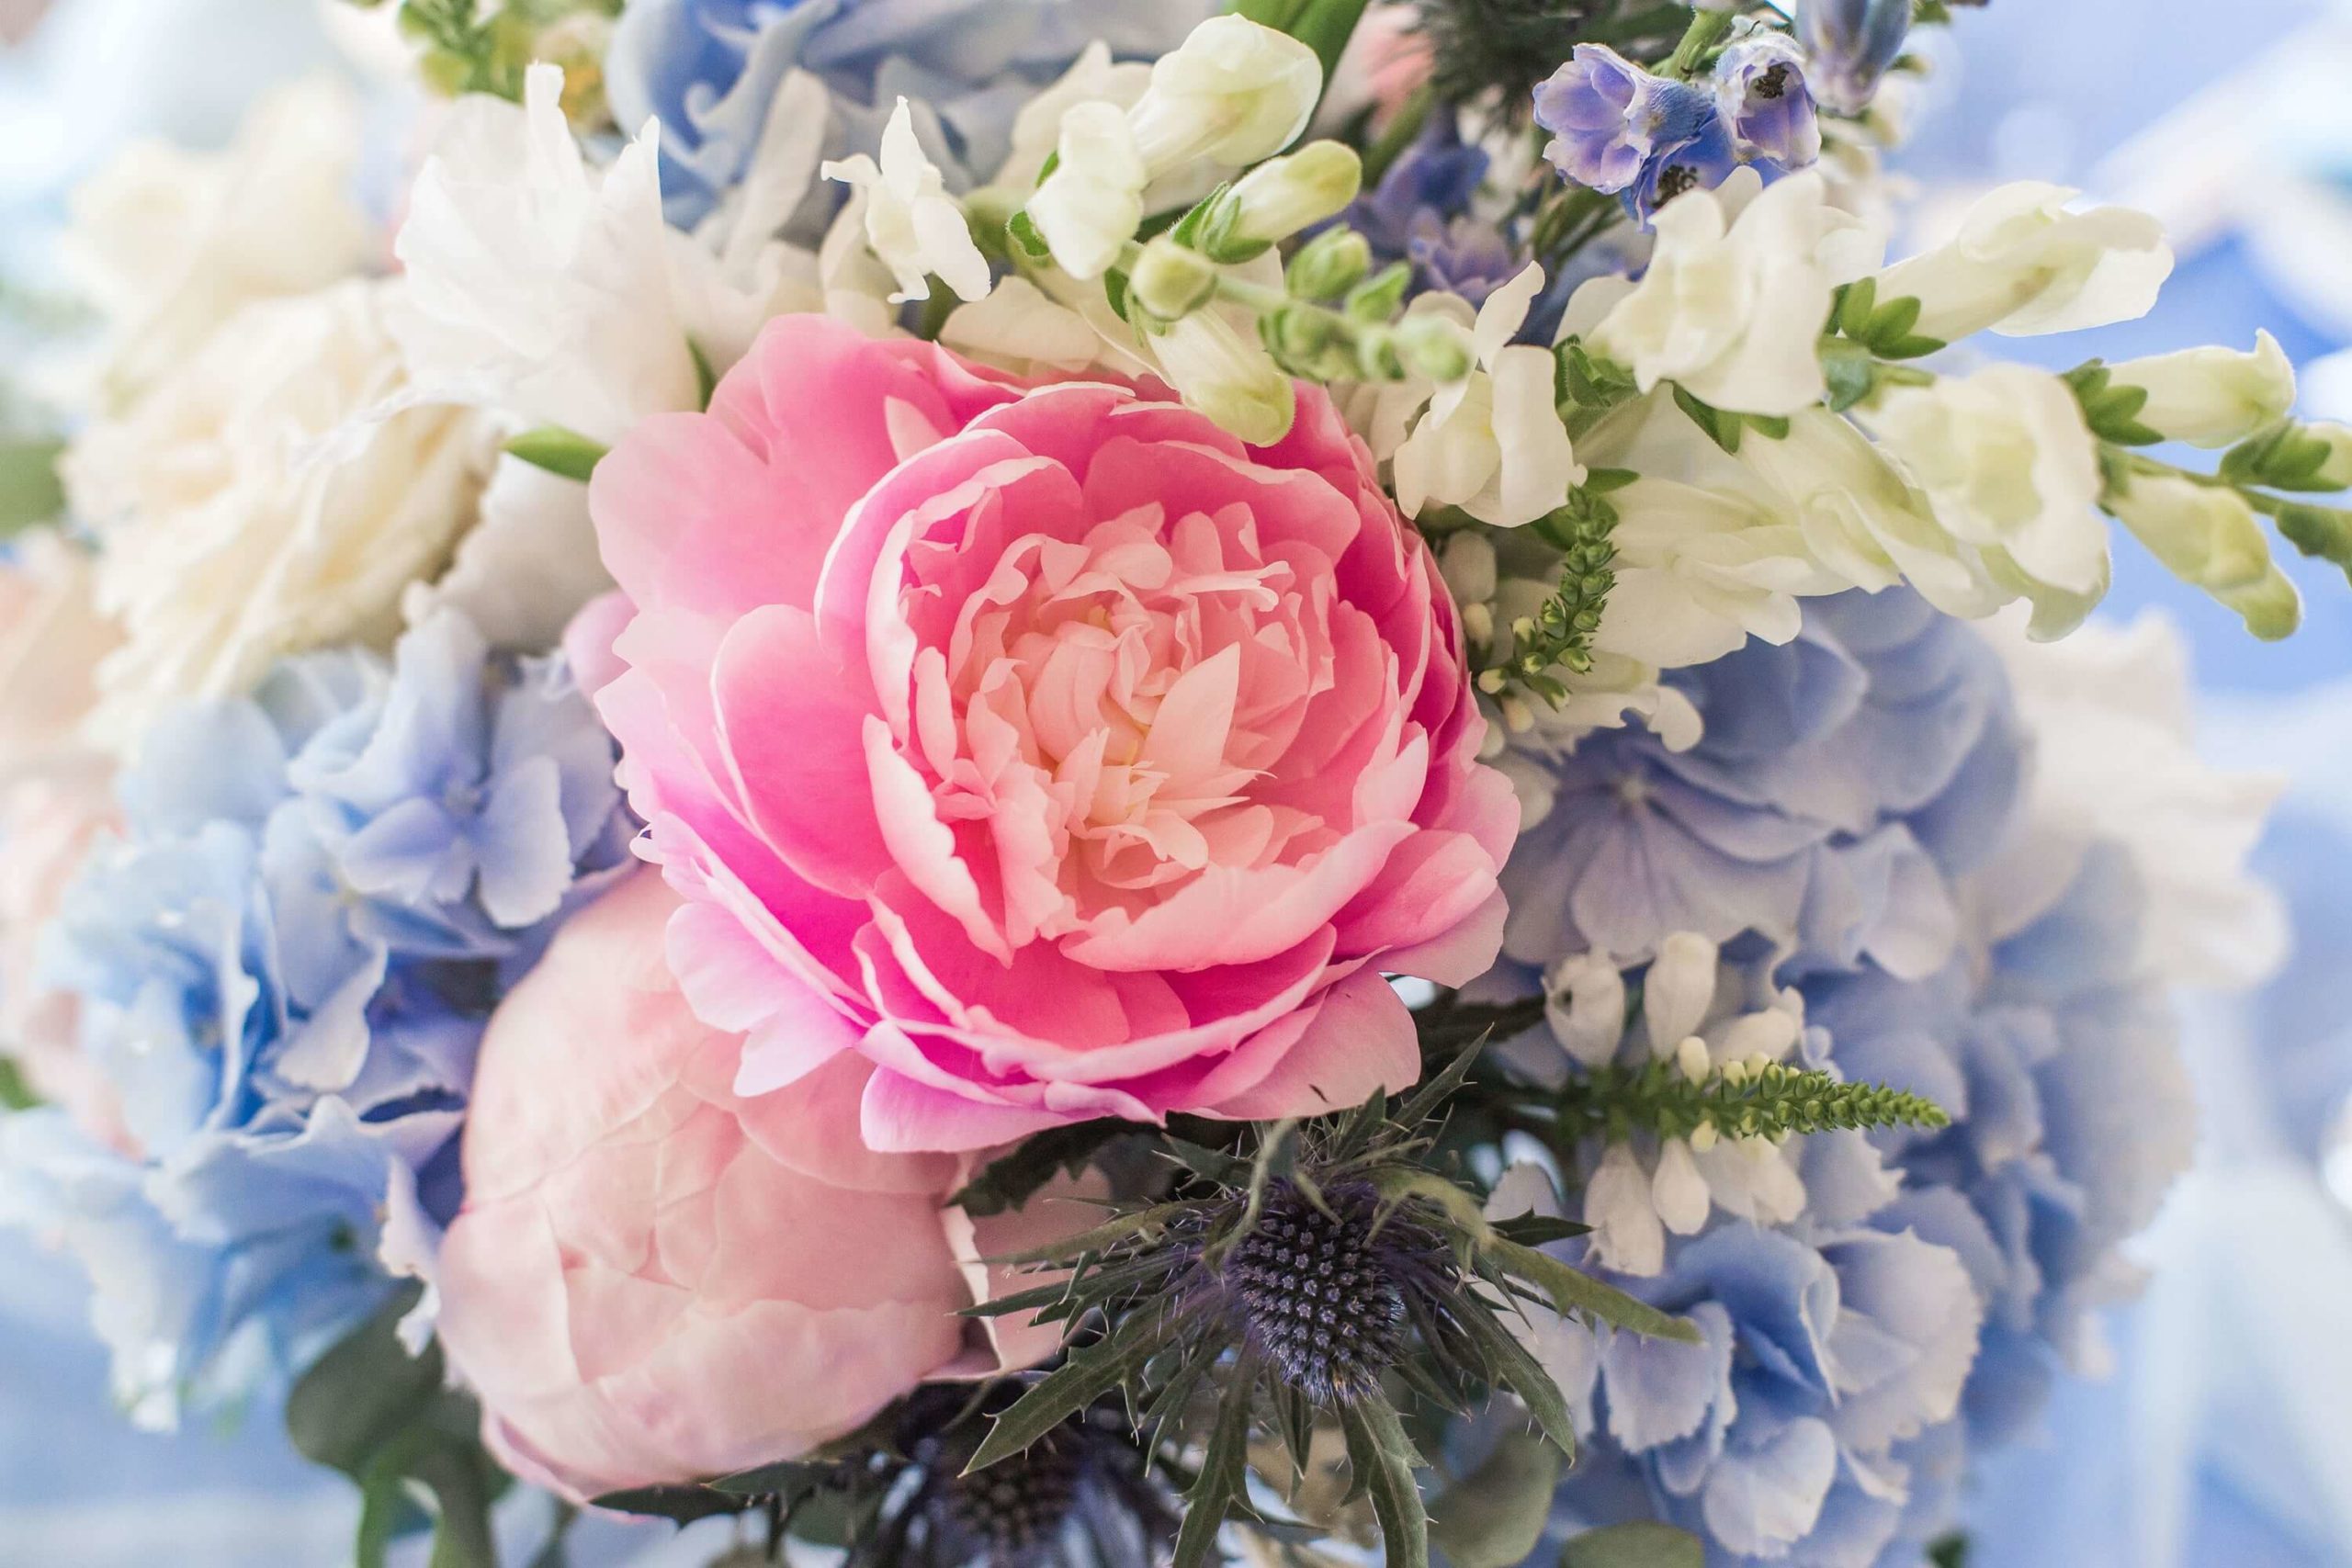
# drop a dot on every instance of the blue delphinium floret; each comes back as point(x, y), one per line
point(1622, 131)
point(710, 69)
point(283, 968)
point(1851, 44)
point(1761, 92)
point(1421, 213)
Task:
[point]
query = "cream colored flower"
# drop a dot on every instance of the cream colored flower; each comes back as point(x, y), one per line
point(911, 220)
point(261, 500)
point(1734, 302)
point(2211, 397)
point(1492, 444)
point(2010, 468)
point(168, 244)
point(2025, 264)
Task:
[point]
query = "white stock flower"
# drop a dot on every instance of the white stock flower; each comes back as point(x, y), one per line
point(2024, 264)
point(1679, 991)
point(911, 222)
point(1232, 93)
point(168, 244)
point(1584, 1002)
point(263, 501)
point(2009, 467)
point(1734, 302)
point(2115, 758)
point(556, 293)
point(1492, 444)
point(2211, 397)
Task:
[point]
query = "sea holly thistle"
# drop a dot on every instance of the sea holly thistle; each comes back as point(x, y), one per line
point(1332, 1276)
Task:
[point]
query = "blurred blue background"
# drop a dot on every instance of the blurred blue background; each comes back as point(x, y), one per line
point(2225, 1438)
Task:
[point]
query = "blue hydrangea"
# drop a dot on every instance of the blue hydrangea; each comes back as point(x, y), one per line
point(1849, 825)
point(708, 70)
point(284, 966)
point(1840, 781)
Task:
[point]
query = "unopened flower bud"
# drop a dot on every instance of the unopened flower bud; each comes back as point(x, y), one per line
point(2211, 397)
point(1235, 92)
point(1436, 347)
point(1226, 376)
point(1584, 1001)
point(1170, 281)
point(1281, 196)
point(1301, 338)
point(2271, 606)
point(2206, 535)
point(2336, 472)
point(1691, 1057)
point(1329, 264)
point(1703, 1137)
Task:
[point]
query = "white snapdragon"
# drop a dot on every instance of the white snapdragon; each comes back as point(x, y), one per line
point(555, 293)
point(2011, 469)
point(2025, 264)
point(1732, 306)
point(2208, 536)
point(1492, 443)
point(1092, 77)
point(911, 220)
point(1283, 196)
point(1232, 93)
point(260, 502)
point(1584, 1002)
point(168, 244)
point(2211, 397)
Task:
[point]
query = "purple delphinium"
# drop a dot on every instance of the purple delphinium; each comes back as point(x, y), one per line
point(1609, 119)
point(1701, 161)
point(1852, 43)
point(1761, 94)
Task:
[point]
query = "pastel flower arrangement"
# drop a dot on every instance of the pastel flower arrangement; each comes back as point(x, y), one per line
point(1082, 783)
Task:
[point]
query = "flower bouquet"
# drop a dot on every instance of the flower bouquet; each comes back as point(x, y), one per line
point(1093, 782)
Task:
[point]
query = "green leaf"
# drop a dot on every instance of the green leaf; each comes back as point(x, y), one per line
point(1641, 1544)
point(30, 491)
point(558, 451)
point(1383, 1458)
point(1493, 1517)
point(1006, 1184)
point(679, 1504)
point(764, 1481)
point(1510, 1364)
point(1224, 1472)
point(360, 1396)
point(1573, 1291)
point(1086, 1376)
point(1539, 1230)
point(705, 375)
point(1324, 25)
point(1721, 427)
point(1950, 1551)
point(1125, 1227)
point(15, 1093)
point(1856, 301)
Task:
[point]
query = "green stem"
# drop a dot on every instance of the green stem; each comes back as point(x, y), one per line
point(1706, 30)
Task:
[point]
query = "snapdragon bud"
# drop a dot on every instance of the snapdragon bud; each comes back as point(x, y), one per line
point(2336, 472)
point(1281, 196)
point(1172, 281)
point(1228, 377)
point(2208, 536)
point(1436, 347)
point(1233, 91)
point(2211, 397)
point(1329, 264)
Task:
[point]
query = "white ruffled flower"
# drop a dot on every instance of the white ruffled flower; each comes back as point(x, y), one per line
point(2024, 264)
point(168, 244)
point(261, 500)
point(2114, 760)
point(1732, 306)
point(556, 293)
point(2008, 468)
point(911, 220)
point(1232, 93)
point(2211, 397)
point(1492, 444)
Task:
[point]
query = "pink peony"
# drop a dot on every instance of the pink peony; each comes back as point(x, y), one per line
point(652, 1280)
point(1047, 746)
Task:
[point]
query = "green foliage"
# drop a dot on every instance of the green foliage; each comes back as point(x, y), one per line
point(1773, 1101)
point(1004, 1184)
point(1950, 1551)
point(558, 451)
point(1559, 635)
point(472, 48)
point(2288, 456)
point(386, 1420)
point(30, 492)
point(1493, 1517)
point(1724, 427)
point(1886, 329)
point(1640, 1544)
point(2111, 411)
point(1497, 50)
point(15, 1093)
